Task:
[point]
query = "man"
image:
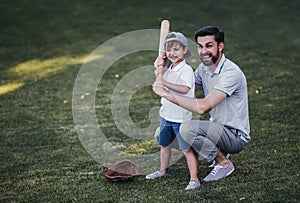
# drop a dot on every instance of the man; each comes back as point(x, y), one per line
point(226, 100)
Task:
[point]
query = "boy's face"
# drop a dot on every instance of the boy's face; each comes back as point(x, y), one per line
point(175, 52)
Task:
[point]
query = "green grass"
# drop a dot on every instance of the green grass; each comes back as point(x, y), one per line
point(44, 44)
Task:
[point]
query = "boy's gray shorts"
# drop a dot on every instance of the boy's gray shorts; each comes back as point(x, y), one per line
point(208, 138)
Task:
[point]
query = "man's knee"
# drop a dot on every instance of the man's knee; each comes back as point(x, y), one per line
point(187, 132)
point(185, 128)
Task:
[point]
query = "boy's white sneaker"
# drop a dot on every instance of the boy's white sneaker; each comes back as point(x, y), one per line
point(193, 185)
point(157, 174)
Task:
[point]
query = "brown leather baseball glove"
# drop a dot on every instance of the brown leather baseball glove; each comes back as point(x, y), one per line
point(122, 171)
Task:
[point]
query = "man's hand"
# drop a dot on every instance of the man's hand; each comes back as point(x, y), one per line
point(159, 89)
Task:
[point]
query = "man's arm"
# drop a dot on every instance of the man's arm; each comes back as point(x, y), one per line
point(201, 106)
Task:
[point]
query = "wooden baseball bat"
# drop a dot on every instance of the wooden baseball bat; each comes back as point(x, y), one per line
point(164, 31)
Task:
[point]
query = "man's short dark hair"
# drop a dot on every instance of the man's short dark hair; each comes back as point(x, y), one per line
point(210, 30)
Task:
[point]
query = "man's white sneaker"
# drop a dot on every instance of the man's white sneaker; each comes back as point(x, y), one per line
point(219, 172)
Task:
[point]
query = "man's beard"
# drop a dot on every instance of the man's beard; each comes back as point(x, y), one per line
point(212, 61)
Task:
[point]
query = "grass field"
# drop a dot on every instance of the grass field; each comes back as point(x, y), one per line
point(45, 43)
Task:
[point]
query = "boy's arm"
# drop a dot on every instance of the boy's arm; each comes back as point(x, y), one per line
point(162, 62)
point(182, 89)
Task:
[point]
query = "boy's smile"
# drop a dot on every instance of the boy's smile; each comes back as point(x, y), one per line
point(175, 53)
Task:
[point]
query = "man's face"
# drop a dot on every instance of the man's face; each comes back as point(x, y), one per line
point(209, 50)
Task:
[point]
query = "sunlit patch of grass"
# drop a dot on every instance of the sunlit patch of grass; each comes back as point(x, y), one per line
point(144, 147)
point(10, 87)
point(37, 69)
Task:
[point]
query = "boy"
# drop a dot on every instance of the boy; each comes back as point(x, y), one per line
point(179, 79)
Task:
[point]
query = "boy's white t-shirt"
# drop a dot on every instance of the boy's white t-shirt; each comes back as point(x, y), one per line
point(182, 74)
